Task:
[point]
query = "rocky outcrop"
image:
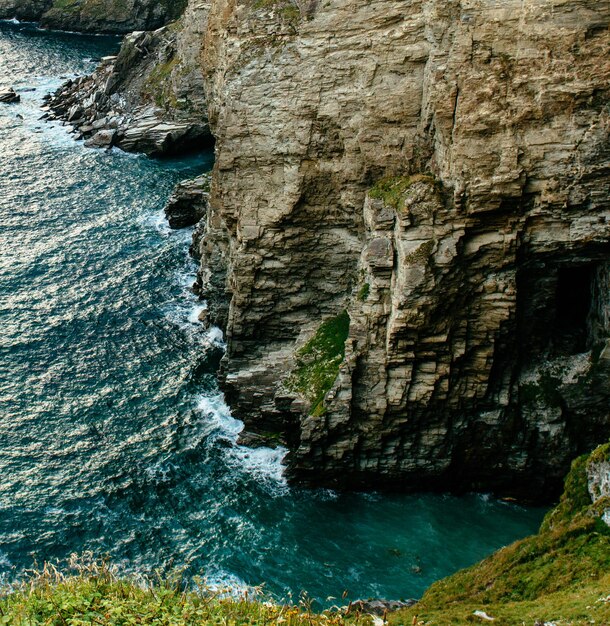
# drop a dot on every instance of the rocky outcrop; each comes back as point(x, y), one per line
point(29, 10)
point(598, 481)
point(440, 171)
point(435, 175)
point(9, 96)
point(108, 16)
point(148, 99)
point(188, 204)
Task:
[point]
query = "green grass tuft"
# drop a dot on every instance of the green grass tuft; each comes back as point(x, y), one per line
point(392, 189)
point(364, 291)
point(90, 592)
point(318, 362)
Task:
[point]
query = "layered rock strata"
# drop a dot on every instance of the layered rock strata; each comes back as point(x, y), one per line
point(147, 99)
point(440, 170)
point(106, 16)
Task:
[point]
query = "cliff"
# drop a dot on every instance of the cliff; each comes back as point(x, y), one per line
point(107, 16)
point(407, 240)
point(439, 171)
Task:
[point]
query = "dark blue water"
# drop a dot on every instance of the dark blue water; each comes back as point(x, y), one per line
point(113, 436)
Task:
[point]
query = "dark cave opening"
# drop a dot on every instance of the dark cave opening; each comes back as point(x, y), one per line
point(563, 308)
point(573, 302)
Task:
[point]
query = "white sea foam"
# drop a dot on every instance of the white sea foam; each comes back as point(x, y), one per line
point(215, 337)
point(224, 584)
point(215, 410)
point(265, 464)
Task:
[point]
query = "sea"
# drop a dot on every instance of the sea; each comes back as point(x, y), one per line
point(114, 436)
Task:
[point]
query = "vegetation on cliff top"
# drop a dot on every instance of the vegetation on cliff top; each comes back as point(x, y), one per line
point(560, 575)
point(318, 362)
point(92, 593)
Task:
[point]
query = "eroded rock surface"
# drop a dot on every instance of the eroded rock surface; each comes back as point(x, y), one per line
point(477, 290)
point(438, 170)
point(149, 98)
point(188, 204)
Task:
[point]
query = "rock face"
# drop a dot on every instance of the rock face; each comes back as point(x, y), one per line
point(440, 170)
point(110, 16)
point(29, 10)
point(437, 174)
point(188, 204)
point(598, 481)
point(150, 98)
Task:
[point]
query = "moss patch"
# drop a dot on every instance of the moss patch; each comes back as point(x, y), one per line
point(318, 362)
point(158, 87)
point(287, 10)
point(363, 292)
point(392, 189)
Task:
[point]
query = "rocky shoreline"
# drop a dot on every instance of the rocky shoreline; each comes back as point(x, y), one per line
point(130, 104)
point(94, 16)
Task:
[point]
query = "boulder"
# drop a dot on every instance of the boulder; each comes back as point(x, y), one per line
point(188, 203)
point(9, 96)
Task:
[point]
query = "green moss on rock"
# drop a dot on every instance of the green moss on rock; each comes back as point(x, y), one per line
point(392, 190)
point(318, 361)
point(286, 9)
point(158, 87)
point(363, 292)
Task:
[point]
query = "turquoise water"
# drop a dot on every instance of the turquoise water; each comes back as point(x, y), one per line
point(113, 436)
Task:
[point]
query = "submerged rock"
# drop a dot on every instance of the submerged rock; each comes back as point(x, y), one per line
point(9, 96)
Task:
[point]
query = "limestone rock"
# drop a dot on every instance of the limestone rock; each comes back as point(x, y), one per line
point(598, 475)
point(188, 204)
point(378, 607)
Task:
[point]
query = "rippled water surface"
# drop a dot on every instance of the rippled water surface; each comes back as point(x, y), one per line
point(113, 436)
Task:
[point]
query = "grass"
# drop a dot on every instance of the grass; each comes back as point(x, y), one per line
point(287, 10)
point(90, 592)
point(392, 189)
point(363, 292)
point(158, 87)
point(560, 575)
point(318, 362)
